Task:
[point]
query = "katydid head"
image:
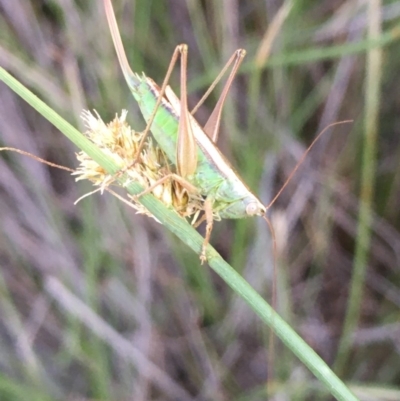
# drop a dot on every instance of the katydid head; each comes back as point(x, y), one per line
point(246, 206)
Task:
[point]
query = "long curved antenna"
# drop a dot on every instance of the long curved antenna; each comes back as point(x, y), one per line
point(302, 159)
point(271, 356)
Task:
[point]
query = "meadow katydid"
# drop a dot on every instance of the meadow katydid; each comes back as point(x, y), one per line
point(201, 168)
point(195, 155)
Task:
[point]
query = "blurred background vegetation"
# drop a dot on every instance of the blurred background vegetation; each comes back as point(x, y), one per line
point(98, 303)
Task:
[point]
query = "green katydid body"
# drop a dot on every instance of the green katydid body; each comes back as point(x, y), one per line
point(213, 175)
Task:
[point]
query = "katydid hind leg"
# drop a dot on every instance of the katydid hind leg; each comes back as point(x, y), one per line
point(186, 152)
point(211, 127)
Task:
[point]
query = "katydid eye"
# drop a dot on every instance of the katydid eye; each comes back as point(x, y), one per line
point(252, 209)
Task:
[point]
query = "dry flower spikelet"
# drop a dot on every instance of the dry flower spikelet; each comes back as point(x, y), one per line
point(118, 141)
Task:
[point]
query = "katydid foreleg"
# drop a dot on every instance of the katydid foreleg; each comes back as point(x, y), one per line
point(208, 211)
